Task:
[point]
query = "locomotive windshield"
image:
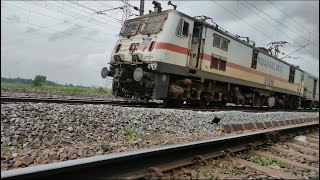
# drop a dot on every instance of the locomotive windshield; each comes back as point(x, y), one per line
point(130, 28)
point(154, 25)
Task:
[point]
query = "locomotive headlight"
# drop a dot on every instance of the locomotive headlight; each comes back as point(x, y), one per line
point(135, 58)
point(117, 58)
point(138, 74)
point(104, 72)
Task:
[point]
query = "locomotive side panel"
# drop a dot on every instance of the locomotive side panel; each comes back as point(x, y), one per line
point(311, 88)
point(308, 85)
point(317, 91)
point(299, 80)
point(269, 72)
point(276, 74)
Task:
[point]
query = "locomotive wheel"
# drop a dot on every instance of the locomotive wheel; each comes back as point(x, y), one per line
point(222, 104)
point(202, 103)
point(295, 106)
point(213, 104)
point(173, 102)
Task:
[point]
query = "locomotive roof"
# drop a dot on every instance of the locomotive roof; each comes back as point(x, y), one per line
point(220, 31)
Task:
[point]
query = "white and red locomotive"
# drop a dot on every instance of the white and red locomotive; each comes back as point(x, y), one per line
point(171, 56)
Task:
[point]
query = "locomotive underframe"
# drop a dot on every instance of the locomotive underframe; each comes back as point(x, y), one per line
point(176, 85)
point(153, 85)
point(205, 92)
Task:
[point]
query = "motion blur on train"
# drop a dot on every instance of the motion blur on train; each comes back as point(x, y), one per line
point(170, 56)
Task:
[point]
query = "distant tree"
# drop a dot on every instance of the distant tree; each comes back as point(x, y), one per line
point(38, 80)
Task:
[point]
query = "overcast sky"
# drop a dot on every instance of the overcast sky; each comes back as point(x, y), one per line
point(68, 43)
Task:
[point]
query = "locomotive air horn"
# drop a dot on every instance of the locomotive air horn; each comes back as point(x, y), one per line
point(157, 6)
point(174, 6)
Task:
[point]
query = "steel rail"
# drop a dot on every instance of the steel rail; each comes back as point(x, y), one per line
point(140, 163)
point(141, 103)
point(65, 100)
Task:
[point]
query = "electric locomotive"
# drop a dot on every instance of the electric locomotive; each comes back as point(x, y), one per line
point(176, 58)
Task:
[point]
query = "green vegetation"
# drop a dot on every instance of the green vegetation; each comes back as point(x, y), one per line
point(266, 161)
point(4, 149)
point(38, 80)
point(49, 85)
point(206, 173)
point(129, 134)
point(59, 88)
point(15, 85)
point(26, 81)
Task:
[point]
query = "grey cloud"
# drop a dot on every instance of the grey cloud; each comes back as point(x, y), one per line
point(67, 33)
point(29, 29)
point(93, 33)
point(219, 14)
point(66, 21)
point(305, 17)
point(76, 60)
point(15, 17)
point(307, 14)
point(312, 50)
point(12, 19)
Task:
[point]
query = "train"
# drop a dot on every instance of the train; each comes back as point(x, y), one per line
point(170, 56)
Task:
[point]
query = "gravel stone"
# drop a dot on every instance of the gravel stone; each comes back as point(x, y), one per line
point(275, 167)
point(17, 164)
point(55, 132)
point(15, 155)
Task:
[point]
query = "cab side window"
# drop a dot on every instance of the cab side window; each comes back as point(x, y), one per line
point(291, 74)
point(218, 62)
point(220, 42)
point(254, 59)
point(183, 28)
point(216, 40)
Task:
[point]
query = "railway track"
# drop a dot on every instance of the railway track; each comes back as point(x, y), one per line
point(139, 103)
point(164, 162)
point(63, 100)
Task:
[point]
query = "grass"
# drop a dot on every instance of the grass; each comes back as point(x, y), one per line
point(100, 90)
point(207, 173)
point(266, 161)
point(130, 135)
point(4, 149)
point(15, 85)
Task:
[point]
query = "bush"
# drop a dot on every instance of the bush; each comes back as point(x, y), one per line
point(38, 80)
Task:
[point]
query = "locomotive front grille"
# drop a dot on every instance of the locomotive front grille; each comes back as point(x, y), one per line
point(130, 81)
point(132, 90)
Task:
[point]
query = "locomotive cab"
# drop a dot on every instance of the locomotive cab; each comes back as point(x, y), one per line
point(133, 60)
point(140, 58)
